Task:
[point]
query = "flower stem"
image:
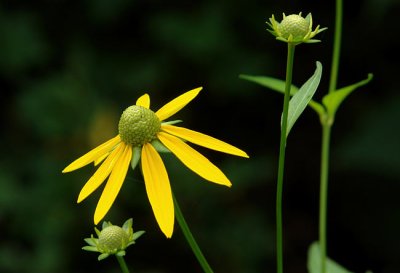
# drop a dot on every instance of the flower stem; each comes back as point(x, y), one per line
point(190, 239)
point(281, 166)
point(337, 39)
point(122, 264)
point(327, 122)
point(323, 195)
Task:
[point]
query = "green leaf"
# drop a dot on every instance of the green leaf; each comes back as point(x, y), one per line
point(136, 152)
point(279, 86)
point(314, 262)
point(172, 122)
point(159, 146)
point(97, 232)
point(102, 256)
point(299, 101)
point(105, 224)
point(137, 234)
point(333, 100)
point(90, 248)
point(128, 224)
point(272, 83)
point(90, 241)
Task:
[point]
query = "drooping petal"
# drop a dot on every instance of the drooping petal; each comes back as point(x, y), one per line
point(193, 159)
point(144, 101)
point(203, 140)
point(101, 158)
point(93, 155)
point(102, 173)
point(114, 184)
point(177, 104)
point(158, 189)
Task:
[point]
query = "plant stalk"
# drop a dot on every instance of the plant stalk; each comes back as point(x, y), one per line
point(323, 195)
point(337, 39)
point(122, 264)
point(281, 166)
point(326, 123)
point(190, 239)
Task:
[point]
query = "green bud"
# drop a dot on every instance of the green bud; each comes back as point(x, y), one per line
point(294, 29)
point(138, 125)
point(294, 25)
point(113, 238)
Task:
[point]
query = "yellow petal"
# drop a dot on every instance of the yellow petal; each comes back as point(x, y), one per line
point(144, 101)
point(93, 155)
point(114, 184)
point(101, 174)
point(203, 140)
point(101, 158)
point(177, 104)
point(193, 159)
point(158, 189)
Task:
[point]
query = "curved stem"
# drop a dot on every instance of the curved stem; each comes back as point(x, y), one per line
point(281, 166)
point(323, 199)
point(190, 239)
point(336, 46)
point(122, 264)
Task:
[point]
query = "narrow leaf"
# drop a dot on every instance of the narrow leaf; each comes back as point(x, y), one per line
point(136, 151)
point(270, 82)
point(333, 100)
point(314, 262)
point(159, 146)
point(128, 224)
point(300, 100)
point(102, 256)
point(90, 241)
point(137, 234)
point(90, 248)
point(279, 86)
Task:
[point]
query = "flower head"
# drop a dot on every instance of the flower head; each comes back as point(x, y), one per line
point(141, 133)
point(294, 29)
point(112, 240)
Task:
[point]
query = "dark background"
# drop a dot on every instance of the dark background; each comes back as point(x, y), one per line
point(69, 68)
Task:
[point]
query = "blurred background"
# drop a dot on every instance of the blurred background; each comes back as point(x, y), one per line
point(69, 68)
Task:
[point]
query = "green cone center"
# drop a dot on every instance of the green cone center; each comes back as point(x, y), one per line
point(112, 238)
point(138, 125)
point(294, 25)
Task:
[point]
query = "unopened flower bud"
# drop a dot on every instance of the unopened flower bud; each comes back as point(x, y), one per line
point(294, 29)
point(113, 238)
point(294, 25)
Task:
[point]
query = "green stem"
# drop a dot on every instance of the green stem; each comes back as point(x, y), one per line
point(190, 239)
point(327, 122)
point(281, 167)
point(122, 264)
point(336, 46)
point(323, 195)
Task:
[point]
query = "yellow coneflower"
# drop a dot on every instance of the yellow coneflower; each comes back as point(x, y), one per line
point(141, 131)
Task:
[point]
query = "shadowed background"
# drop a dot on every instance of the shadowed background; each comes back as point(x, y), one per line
point(69, 68)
